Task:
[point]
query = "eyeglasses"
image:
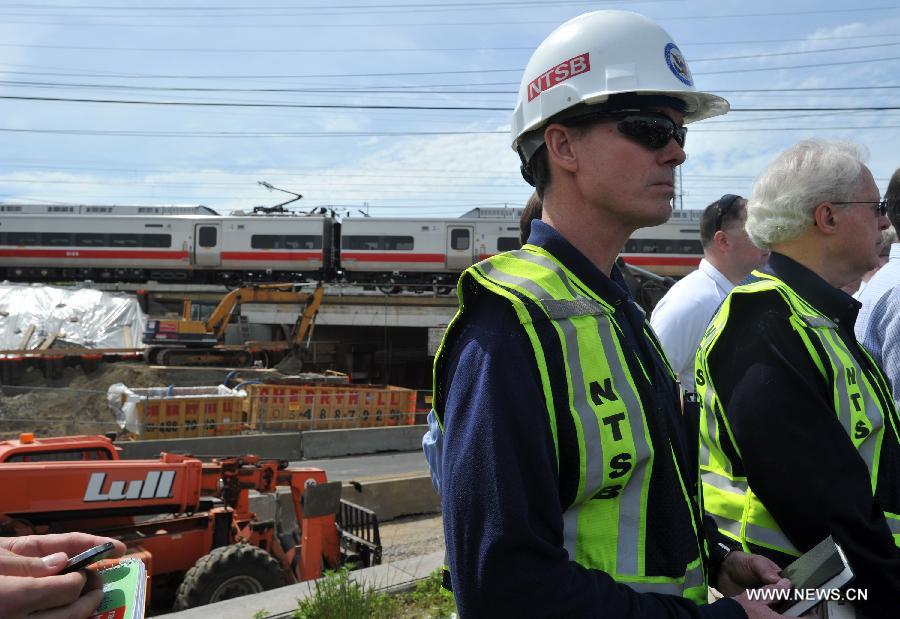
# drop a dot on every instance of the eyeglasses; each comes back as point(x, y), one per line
point(650, 130)
point(880, 207)
point(723, 206)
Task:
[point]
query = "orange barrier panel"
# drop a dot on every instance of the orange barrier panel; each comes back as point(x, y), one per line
point(324, 407)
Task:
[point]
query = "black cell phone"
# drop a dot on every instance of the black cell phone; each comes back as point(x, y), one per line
point(84, 559)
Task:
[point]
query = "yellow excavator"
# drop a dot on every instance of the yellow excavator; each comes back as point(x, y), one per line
point(199, 342)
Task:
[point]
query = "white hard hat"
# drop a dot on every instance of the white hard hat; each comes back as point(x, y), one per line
point(600, 55)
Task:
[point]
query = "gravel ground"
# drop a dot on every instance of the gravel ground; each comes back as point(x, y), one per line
point(406, 538)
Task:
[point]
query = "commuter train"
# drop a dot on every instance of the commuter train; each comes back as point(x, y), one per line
point(194, 244)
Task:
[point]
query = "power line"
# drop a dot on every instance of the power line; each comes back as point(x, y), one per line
point(799, 66)
point(469, 24)
point(359, 134)
point(416, 50)
point(356, 106)
point(795, 53)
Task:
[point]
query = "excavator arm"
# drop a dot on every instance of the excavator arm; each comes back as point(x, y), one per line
point(265, 293)
point(307, 317)
point(193, 342)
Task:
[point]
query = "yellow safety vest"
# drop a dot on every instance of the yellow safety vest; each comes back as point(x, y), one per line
point(862, 401)
point(605, 527)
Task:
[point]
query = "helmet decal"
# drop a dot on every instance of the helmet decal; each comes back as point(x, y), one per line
point(558, 74)
point(677, 64)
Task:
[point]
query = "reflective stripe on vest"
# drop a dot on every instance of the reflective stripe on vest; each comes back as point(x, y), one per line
point(615, 452)
point(855, 392)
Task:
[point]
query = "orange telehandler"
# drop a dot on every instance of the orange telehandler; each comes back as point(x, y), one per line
point(188, 520)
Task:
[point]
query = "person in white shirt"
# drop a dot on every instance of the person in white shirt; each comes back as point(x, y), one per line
point(681, 316)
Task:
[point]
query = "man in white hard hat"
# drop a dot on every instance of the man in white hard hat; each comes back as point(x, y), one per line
point(566, 486)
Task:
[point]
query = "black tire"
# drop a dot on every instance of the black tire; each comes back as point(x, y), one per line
point(228, 572)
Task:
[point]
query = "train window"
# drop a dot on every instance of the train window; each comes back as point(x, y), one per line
point(90, 239)
point(124, 240)
point(507, 243)
point(264, 241)
point(156, 240)
point(631, 246)
point(22, 238)
point(56, 239)
point(10, 209)
point(98, 209)
point(397, 243)
point(359, 241)
point(207, 236)
point(60, 209)
point(459, 239)
point(303, 241)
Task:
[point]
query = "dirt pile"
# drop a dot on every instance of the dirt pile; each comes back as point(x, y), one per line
point(75, 403)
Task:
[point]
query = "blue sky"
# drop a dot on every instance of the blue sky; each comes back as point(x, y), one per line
point(268, 61)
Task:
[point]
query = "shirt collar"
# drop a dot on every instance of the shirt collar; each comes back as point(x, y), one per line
point(831, 301)
point(612, 289)
point(895, 252)
point(714, 274)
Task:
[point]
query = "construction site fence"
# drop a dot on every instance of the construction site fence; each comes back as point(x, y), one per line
point(319, 407)
point(269, 408)
point(190, 412)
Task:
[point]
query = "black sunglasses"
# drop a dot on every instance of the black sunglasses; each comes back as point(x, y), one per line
point(648, 129)
point(723, 206)
point(880, 207)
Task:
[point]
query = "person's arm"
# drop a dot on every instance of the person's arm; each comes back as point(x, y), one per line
point(500, 493)
point(679, 322)
point(798, 459)
point(889, 327)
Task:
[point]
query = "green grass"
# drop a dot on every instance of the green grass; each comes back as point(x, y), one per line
point(336, 596)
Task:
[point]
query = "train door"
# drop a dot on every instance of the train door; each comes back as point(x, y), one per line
point(460, 247)
point(207, 245)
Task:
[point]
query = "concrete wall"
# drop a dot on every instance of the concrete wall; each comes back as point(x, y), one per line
point(395, 497)
point(335, 443)
point(289, 446)
point(285, 446)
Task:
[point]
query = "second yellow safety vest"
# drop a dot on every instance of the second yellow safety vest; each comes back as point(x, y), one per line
point(862, 401)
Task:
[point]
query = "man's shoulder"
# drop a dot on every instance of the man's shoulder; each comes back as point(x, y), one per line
point(885, 284)
point(694, 290)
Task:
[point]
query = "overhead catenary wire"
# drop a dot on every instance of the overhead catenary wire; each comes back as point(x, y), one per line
point(466, 24)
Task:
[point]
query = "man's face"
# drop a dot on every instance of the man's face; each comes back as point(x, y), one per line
point(744, 255)
point(861, 230)
point(625, 178)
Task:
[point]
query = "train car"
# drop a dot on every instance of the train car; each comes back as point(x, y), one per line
point(276, 248)
point(419, 252)
point(671, 249)
point(160, 243)
point(194, 244)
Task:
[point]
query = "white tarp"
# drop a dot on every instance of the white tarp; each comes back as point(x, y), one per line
point(74, 317)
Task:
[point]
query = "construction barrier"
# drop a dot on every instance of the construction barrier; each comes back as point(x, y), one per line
point(271, 407)
point(177, 412)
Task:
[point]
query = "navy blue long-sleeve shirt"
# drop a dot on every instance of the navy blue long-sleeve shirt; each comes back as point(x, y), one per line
point(499, 483)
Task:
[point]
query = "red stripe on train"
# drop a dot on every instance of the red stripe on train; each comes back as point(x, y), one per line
point(392, 258)
point(272, 255)
point(90, 254)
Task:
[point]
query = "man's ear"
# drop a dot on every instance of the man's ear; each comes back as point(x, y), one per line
point(720, 239)
point(824, 218)
point(558, 139)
